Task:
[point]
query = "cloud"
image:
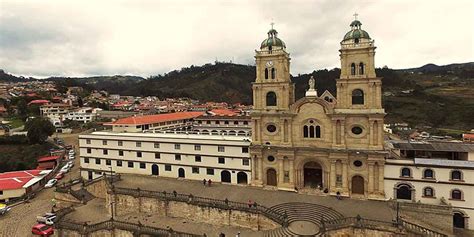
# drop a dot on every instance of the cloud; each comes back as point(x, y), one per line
point(144, 37)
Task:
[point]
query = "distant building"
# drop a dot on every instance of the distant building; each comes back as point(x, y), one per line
point(82, 115)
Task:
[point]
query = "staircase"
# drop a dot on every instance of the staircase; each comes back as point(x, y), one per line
point(82, 195)
point(304, 213)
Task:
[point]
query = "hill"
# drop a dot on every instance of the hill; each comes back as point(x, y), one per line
point(429, 96)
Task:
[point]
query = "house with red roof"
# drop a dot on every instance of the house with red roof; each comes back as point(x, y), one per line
point(48, 162)
point(38, 102)
point(156, 122)
point(16, 184)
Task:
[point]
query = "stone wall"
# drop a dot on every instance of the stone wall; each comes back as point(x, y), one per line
point(65, 197)
point(100, 233)
point(98, 188)
point(358, 232)
point(438, 218)
point(124, 204)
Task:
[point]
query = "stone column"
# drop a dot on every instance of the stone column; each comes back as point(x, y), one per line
point(381, 179)
point(292, 173)
point(334, 129)
point(253, 167)
point(343, 131)
point(260, 168)
point(344, 176)
point(371, 132)
point(371, 178)
point(281, 171)
point(332, 175)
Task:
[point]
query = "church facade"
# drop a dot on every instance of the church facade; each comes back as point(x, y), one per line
point(319, 142)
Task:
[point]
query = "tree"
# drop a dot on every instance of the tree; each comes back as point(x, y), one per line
point(39, 129)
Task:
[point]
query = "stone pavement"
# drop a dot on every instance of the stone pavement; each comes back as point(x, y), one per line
point(370, 209)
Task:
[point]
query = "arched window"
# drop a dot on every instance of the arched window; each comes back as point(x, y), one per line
point(311, 130)
point(428, 174)
point(406, 172)
point(353, 69)
point(456, 175)
point(428, 192)
point(456, 194)
point(361, 68)
point(273, 73)
point(271, 99)
point(357, 97)
point(266, 73)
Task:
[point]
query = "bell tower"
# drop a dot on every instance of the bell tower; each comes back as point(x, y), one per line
point(272, 89)
point(358, 87)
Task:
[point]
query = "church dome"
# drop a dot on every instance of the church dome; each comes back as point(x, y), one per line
point(356, 32)
point(272, 41)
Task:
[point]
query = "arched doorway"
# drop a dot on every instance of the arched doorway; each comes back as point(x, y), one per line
point(242, 178)
point(404, 192)
point(225, 176)
point(181, 173)
point(313, 175)
point(271, 177)
point(154, 169)
point(458, 220)
point(357, 185)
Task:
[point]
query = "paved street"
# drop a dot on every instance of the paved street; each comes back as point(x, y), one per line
point(21, 218)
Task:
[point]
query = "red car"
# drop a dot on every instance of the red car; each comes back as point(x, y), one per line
point(42, 229)
point(59, 176)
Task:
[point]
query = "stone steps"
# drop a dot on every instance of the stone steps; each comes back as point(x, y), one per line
point(282, 231)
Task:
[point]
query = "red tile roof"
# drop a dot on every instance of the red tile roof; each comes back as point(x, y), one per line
point(16, 179)
point(157, 118)
point(48, 158)
point(39, 102)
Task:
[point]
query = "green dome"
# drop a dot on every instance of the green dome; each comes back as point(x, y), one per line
point(272, 40)
point(356, 32)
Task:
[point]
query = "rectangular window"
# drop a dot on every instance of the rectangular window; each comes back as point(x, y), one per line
point(210, 171)
point(142, 165)
point(236, 122)
point(1, 192)
point(105, 152)
point(195, 170)
point(177, 157)
point(104, 142)
point(197, 147)
point(86, 160)
point(120, 143)
point(119, 163)
point(156, 145)
point(217, 122)
point(226, 122)
point(120, 153)
point(139, 144)
point(245, 150)
point(130, 164)
point(168, 167)
point(97, 161)
point(246, 123)
point(221, 160)
point(108, 162)
point(177, 146)
point(220, 148)
point(245, 161)
point(208, 122)
point(139, 154)
point(89, 150)
point(157, 156)
point(88, 141)
point(199, 122)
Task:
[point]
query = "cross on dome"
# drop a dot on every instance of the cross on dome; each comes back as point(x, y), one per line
point(355, 15)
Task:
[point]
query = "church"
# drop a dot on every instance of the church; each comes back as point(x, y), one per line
point(319, 143)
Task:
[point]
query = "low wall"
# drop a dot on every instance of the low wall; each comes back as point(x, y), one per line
point(438, 218)
point(125, 204)
point(99, 233)
point(360, 232)
point(65, 197)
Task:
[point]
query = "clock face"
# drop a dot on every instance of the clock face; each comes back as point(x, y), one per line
point(269, 64)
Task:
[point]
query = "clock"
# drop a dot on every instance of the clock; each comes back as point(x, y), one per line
point(269, 64)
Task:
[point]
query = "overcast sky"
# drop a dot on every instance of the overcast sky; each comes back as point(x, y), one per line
point(145, 37)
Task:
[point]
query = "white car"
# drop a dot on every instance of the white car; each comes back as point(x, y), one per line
point(65, 169)
point(72, 152)
point(47, 218)
point(70, 164)
point(51, 183)
point(71, 157)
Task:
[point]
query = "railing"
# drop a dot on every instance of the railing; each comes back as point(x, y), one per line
point(273, 215)
point(138, 228)
point(412, 227)
point(359, 222)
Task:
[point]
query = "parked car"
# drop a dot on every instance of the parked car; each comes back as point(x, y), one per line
point(71, 157)
point(59, 176)
point(47, 218)
point(65, 169)
point(71, 164)
point(72, 152)
point(51, 183)
point(42, 229)
point(4, 209)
